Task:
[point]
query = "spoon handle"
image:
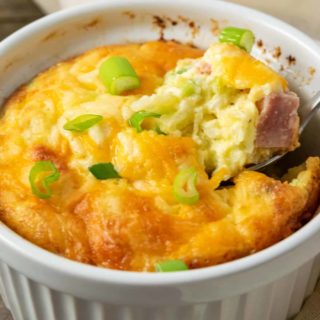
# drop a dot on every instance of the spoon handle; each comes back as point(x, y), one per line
point(316, 103)
point(315, 106)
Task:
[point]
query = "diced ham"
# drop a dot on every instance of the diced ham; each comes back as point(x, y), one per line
point(204, 68)
point(278, 124)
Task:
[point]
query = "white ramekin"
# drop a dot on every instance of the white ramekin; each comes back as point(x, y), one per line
point(269, 285)
point(48, 6)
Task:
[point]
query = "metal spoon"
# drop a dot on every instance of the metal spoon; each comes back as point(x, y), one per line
point(313, 105)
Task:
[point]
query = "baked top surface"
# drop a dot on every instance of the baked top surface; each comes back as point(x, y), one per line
point(133, 222)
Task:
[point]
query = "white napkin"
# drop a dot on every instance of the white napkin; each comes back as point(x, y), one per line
point(48, 6)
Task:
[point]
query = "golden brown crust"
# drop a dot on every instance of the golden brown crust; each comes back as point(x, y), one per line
point(133, 222)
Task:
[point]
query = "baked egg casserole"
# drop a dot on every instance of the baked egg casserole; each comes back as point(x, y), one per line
point(116, 158)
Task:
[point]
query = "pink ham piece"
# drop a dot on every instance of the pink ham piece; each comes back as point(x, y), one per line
point(278, 124)
point(204, 68)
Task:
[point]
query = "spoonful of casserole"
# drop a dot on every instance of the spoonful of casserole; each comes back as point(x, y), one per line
point(238, 110)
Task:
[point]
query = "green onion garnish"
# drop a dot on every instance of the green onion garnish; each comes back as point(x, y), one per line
point(184, 186)
point(159, 131)
point(242, 38)
point(104, 171)
point(118, 75)
point(41, 176)
point(83, 122)
point(188, 88)
point(138, 117)
point(171, 265)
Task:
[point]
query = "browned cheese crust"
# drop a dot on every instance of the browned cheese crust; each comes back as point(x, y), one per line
point(133, 222)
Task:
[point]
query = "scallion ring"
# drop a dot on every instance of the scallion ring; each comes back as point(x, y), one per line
point(189, 88)
point(138, 117)
point(41, 176)
point(104, 171)
point(242, 38)
point(184, 186)
point(159, 131)
point(118, 75)
point(171, 265)
point(83, 122)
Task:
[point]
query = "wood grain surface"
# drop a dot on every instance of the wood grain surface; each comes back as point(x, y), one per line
point(14, 14)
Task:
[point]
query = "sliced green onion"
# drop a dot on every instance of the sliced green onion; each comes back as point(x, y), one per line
point(118, 75)
point(184, 186)
point(188, 88)
point(104, 171)
point(171, 265)
point(83, 122)
point(242, 38)
point(159, 131)
point(181, 71)
point(138, 117)
point(41, 176)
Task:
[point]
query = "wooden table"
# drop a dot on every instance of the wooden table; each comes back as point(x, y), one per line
point(14, 14)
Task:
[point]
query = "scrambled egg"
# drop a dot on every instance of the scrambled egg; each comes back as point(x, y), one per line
point(213, 99)
point(133, 222)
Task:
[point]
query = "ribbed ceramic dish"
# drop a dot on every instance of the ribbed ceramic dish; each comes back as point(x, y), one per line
point(269, 285)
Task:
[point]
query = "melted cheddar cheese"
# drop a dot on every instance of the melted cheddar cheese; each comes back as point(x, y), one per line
point(134, 222)
point(239, 69)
